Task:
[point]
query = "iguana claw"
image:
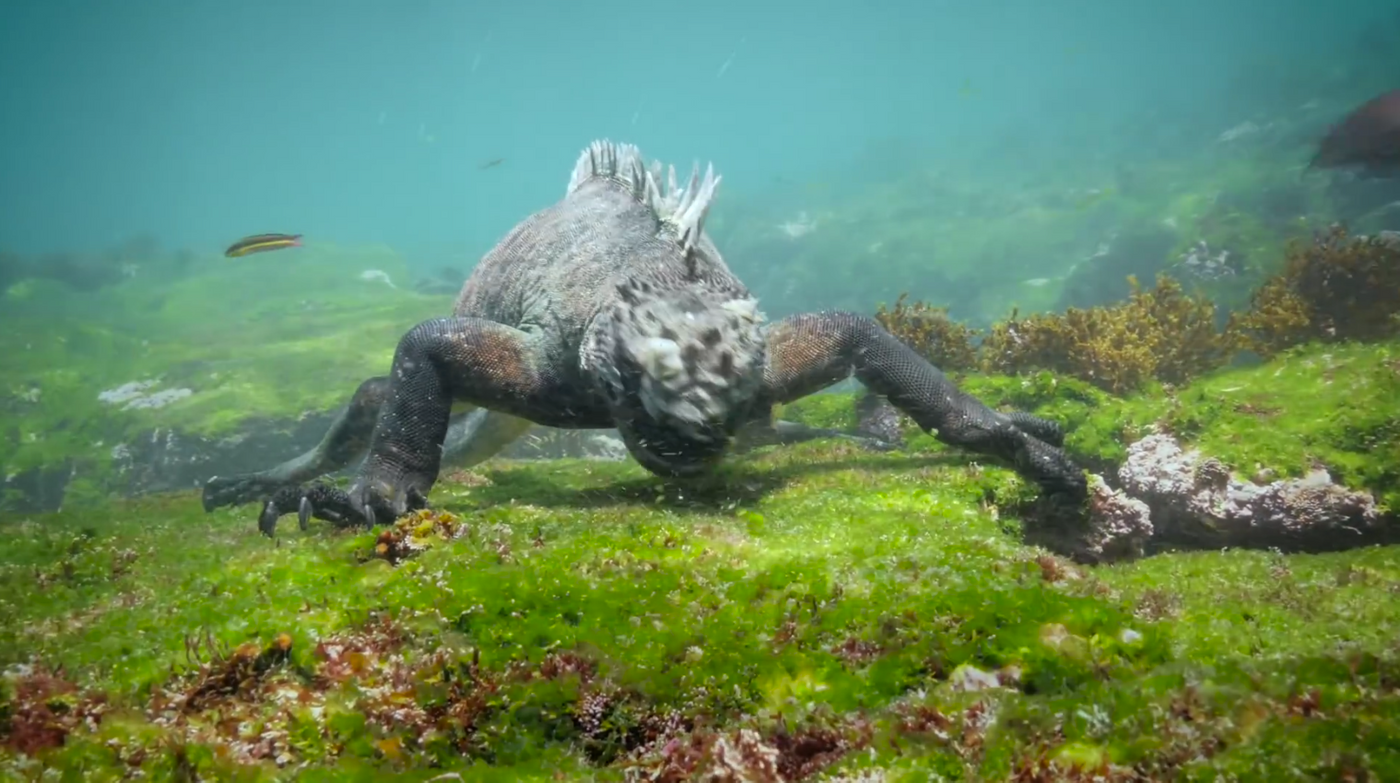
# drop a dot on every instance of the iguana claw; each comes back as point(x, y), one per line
point(220, 491)
point(365, 504)
point(267, 520)
point(379, 499)
point(322, 501)
point(304, 512)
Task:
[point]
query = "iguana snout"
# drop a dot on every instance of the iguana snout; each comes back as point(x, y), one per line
point(688, 367)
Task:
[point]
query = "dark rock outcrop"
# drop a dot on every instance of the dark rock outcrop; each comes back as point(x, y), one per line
point(166, 459)
point(1103, 277)
point(37, 489)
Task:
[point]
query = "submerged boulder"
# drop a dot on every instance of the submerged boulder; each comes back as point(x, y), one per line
point(166, 459)
point(1195, 500)
point(1110, 527)
point(1142, 252)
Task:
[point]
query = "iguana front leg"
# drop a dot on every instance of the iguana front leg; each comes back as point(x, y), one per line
point(811, 351)
point(437, 363)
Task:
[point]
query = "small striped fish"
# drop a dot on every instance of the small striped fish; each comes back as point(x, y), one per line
point(261, 243)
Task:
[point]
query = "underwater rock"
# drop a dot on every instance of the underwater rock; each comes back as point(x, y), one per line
point(877, 418)
point(1201, 262)
point(125, 393)
point(167, 459)
point(1194, 500)
point(970, 679)
point(1117, 527)
point(1103, 277)
point(36, 490)
point(445, 281)
point(1390, 238)
point(134, 395)
point(160, 399)
point(377, 276)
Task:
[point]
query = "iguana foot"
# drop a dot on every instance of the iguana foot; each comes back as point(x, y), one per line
point(319, 500)
point(1050, 468)
point(220, 491)
point(1041, 429)
point(368, 503)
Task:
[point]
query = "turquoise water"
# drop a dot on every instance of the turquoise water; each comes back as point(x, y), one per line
point(988, 158)
point(195, 123)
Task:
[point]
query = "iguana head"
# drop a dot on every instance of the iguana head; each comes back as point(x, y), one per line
point(681, 369)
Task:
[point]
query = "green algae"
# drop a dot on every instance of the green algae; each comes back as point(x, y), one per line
point(578, 611)
point(813, 589)
point(252, 340)
point(804, 590)
point(822, 592)
point(1333, 406)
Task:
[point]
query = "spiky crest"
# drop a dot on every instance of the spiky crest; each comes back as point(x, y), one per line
point(621, 163)
point(681, 210)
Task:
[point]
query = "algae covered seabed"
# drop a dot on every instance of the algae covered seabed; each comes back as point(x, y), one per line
point(821, 612)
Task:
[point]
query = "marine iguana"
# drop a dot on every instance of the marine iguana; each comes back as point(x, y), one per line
point(613, 308)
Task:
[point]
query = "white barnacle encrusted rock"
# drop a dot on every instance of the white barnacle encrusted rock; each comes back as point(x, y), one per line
point(1120, 526)
point(136, 395)
point(126, 392)
point(1196, 500)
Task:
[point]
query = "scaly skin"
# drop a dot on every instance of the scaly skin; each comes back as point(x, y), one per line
point(612, 308)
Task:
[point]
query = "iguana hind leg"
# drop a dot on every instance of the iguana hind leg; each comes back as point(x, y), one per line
point(811, 351)
point(437, 363)
point(481, 435)
point(473, 436)
point(344, 443)
point(780, 432)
